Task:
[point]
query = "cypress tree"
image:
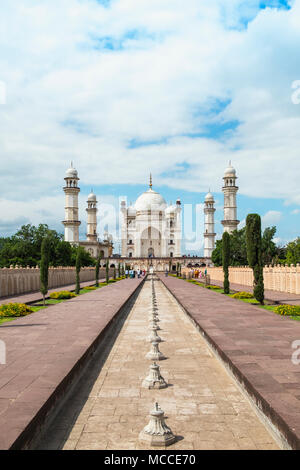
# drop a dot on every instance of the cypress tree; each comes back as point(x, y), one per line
point(115, 273)
point(119, 270)
point(44, 267)
point(97, 270)
point(226, 261)
point(254, 254)
point(78, 268)
point(107, 272)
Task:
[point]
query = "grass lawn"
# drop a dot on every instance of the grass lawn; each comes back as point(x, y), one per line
point(270, 307)
point(39, 305)
point(6, 319)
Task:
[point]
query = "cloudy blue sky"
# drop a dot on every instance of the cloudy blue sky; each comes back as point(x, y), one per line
point(125, 87)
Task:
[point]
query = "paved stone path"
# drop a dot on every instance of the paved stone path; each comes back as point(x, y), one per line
point(44, 349)
point(203, 405)
point(272, 295)
point(257, 345)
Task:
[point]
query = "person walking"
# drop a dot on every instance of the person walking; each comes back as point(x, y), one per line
point(166, 273)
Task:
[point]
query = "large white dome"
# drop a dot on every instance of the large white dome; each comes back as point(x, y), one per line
point(150, 200)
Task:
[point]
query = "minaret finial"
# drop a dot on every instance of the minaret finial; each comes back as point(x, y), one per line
point(71, 164)
point(150, 181)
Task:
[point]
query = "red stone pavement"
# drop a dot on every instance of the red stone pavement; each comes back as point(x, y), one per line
point(256, 344)
point(272, 295)
point(42, 349)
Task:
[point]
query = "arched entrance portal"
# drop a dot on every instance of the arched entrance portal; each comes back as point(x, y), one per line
point(150, 243)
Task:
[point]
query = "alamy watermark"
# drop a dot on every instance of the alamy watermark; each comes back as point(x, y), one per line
point(296, 354)
point(2, 352)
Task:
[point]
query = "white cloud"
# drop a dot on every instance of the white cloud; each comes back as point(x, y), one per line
point(68, 98)
point(271, 218)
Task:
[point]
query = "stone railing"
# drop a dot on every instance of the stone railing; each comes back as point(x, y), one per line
point(278, 278)
point(15, 281)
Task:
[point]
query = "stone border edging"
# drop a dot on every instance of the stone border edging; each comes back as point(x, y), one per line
point(288, 437)
point(30, 433)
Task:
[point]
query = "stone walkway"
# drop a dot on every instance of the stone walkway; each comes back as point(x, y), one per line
point(45, 352)
point(272, 295)
point(203, 406)
point(260, 347)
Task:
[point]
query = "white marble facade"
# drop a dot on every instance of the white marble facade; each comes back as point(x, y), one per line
point(151, 228)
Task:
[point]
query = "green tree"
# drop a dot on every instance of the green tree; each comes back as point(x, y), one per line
point(86, 259)
point(107, 272)
point(293, 252)
point(44, 267)
point(97, 270)
point(78, 267)
point(63, 254)
point(216, 256)
point(254, 254)
point(226, 260)
point(269, 249)
point(238, 248)
point(115, 273)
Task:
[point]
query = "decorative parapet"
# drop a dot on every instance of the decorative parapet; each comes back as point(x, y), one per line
point(278, 278)
point(21, 280)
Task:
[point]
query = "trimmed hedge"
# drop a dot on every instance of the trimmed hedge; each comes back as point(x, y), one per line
point(242, 295)
point(63, 294)
point(14, 310)
point(287, 310)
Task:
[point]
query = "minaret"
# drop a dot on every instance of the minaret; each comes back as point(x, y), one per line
point(71, 221)
point(92, 210)
point(209, 225)
point(230, 189)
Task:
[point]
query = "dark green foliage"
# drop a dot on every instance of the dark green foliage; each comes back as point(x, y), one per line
point(226, 260)
point(238, 248)
point(78, 265)
point(115, 274)
point(293, 252)
point(24, 248)
point(86, 259)
point(216, 256)
point(254, 254)
point(97, 270)
point(44, 267)
point(269, 249)
point(119, 270)
point(107, 272)
point(63, 254)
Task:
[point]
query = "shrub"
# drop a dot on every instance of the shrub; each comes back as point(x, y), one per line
point(63, 294)
point(14, 310)
point(90, 287)
point(254, 254)
point(288, 310)
point(226, 261)
point(212, 287)
point(242, 295)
